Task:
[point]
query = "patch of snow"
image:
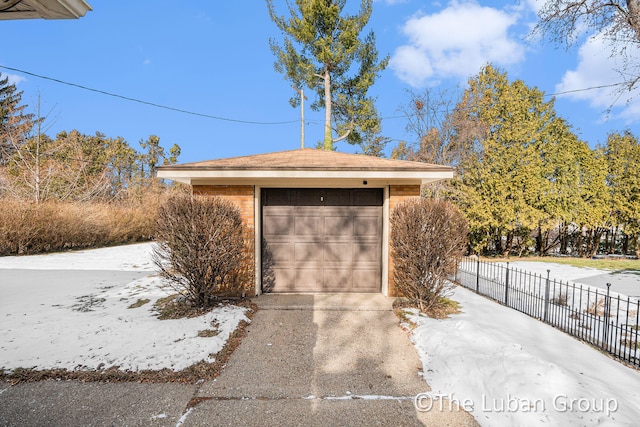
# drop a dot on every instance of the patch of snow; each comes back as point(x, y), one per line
point(350, 396)
point(77, 323)
point(183, 418)
point(508, 369)
point(560, 272)
point(135, 257)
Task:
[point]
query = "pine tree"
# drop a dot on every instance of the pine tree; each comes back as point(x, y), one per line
point(15, 123)
point(499, 188)
point(322, 50)
point(623, 158)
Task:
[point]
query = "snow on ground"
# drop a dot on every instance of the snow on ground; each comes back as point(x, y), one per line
point(509, 369)
point(123, 258)
point(51, 317)
point(560, 272)
point(625, 283)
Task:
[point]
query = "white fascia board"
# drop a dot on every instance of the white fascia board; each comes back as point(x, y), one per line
point(298, 174)
point(77, 7)
point(60, 9)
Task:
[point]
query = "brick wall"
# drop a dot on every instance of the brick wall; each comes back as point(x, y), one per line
point(243, 197)
point(398, 193)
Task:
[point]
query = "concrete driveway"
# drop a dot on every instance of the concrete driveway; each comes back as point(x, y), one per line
point(316, 359)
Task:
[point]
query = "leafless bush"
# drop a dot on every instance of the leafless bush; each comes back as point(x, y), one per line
point(428, 237)
point(201, 248)
point(561, 299)
point(597, 308)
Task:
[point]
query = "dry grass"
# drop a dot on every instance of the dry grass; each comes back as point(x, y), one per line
point(440, 310)
point(139, 303)
point(613, 264)
point(28, 228)
point(175, 307)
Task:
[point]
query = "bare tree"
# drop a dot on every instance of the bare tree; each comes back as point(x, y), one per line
point(617, 21)
point(441, 132)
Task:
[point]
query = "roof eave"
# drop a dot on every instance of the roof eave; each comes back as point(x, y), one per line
point(303, 177)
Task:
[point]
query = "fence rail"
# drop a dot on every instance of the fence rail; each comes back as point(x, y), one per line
point(600, 317)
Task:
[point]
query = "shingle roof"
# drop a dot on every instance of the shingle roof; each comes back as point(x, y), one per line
point(308, 159)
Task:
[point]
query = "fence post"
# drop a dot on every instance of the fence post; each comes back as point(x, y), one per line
point(478, 276)
point(506, 287)
point(607, 311)
point(546, 297)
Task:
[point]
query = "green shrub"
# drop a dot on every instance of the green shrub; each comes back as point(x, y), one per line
point(201, 250)
point(428, 237)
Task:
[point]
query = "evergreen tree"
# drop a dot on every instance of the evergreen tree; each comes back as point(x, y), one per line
point(500, 187)
point(322, 50)
point(15, 123)
point(623, 158)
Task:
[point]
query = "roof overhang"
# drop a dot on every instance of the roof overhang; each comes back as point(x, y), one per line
point(306, 168)
point(302, 178)
point(45, 9)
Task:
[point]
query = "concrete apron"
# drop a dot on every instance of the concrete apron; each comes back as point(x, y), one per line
point(321, 359)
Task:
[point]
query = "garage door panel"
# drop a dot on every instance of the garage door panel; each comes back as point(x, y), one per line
point(307, 279)
point(337, 252)
point(364, 252)
point(307, 253)
point(367, 198)
point(278, 225)
point(280, 252)
point(308, 197)
point(367, 226)
point(284, 278)
point(337, 280)
point(337, 197)
point(277, 197)
point(338, 226)
point(307, 225)
point(366, 280)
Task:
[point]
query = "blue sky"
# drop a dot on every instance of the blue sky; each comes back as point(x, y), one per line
point(213, 58)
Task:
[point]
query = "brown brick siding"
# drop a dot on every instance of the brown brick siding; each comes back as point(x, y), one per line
point(397, 194)
point(243, 197)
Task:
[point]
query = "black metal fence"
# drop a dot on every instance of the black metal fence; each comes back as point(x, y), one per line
point(600, 317)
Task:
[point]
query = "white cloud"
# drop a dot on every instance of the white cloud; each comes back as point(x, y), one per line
point(536, 5)
point(14, 78)
point(456, 42)
point(597, 67)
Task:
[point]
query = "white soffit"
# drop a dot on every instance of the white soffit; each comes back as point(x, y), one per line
point(45, 9)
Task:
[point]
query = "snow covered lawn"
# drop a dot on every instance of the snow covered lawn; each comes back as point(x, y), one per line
point(508, 369)
point(92, 309)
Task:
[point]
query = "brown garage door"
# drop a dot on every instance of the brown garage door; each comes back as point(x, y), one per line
point(321, 240)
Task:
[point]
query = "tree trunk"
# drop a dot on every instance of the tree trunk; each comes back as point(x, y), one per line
point(633, 18)
point(539, 241)
point(508, 244)
point(579, 241)
point(328, 139)
point(563, 231)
